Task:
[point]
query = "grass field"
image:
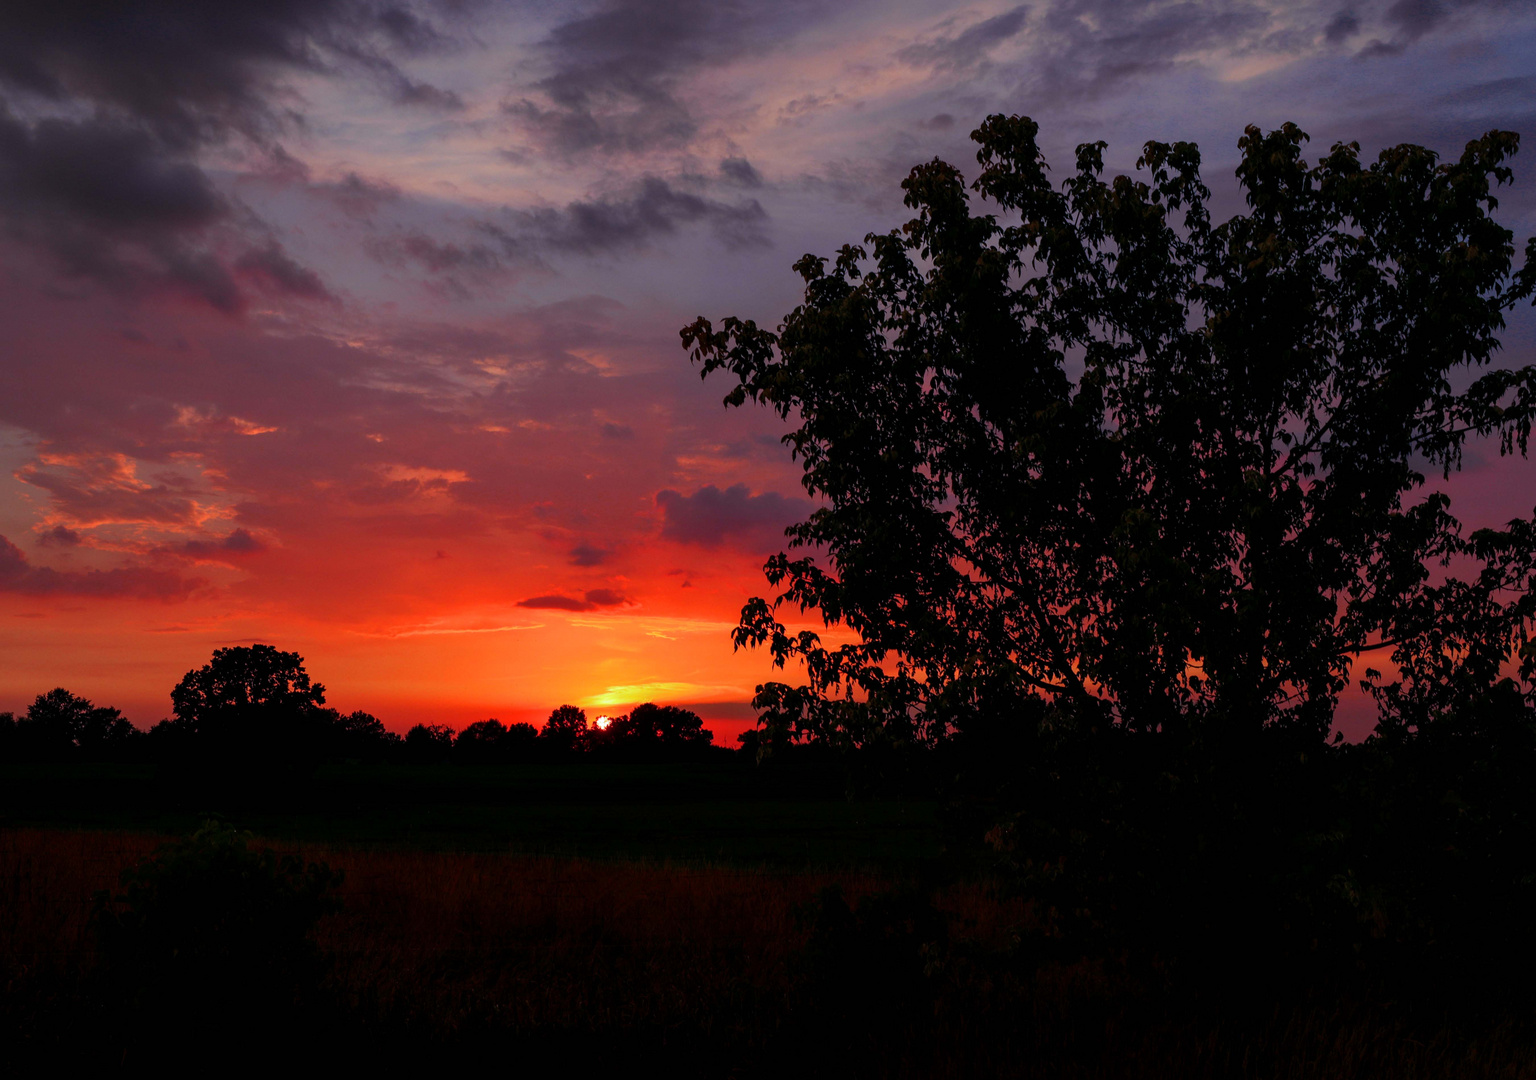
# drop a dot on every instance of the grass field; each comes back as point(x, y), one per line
point(721, 814)
point(593, 920)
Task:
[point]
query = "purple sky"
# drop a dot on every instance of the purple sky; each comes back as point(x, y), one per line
point(353, 326)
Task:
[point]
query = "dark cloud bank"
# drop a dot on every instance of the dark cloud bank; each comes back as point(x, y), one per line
point(104, 108)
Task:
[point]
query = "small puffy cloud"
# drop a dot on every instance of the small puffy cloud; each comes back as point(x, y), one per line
point(709, 517)
point(606, 598)
point(236, 544)
point(59, 536)
point(589, 555)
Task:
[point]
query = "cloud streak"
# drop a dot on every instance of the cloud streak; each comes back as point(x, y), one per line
point(613, 74)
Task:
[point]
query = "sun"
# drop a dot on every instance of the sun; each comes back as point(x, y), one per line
point(602, 722)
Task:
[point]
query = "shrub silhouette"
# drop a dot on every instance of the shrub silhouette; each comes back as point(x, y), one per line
point(208, 931)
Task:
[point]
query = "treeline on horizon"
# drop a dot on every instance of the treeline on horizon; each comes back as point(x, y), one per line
point(258, 705)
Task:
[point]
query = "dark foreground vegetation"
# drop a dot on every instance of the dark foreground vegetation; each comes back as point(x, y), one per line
point(209, 951)
point(1117, 502)
point(784, 814)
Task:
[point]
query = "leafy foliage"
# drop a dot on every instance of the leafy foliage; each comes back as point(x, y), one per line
point(1114, 498)
point(1167, 475)
point(61, 726)
point(253, 705)
point(361, 736)
point(566, 729)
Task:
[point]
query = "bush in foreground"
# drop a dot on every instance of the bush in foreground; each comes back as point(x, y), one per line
point(209, 932)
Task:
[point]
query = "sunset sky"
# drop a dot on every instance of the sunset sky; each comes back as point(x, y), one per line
point(353, 327)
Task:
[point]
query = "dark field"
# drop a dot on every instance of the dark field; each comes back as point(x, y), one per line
point(740, 815)
point(594, 919)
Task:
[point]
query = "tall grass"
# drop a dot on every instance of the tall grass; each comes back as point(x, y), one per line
point(594, 966)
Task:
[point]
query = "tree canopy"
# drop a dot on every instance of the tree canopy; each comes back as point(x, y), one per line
point(1093, 451)
point(252, 701)
point(62, 724)
point(566, 729)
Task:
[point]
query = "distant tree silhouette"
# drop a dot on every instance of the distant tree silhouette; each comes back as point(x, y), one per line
point(652, 730)
point(360, 736)
point(1158, 473)
point(60, 726)
point(429, 744)
point(171, 741)
point(490, 742)
point(480, 742)
point(521, 739)
point(566, 730)
point(253, 706)
point(761, 744)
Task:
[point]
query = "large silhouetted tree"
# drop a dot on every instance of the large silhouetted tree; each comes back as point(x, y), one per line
point(1089, 451)
point(253, 704)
